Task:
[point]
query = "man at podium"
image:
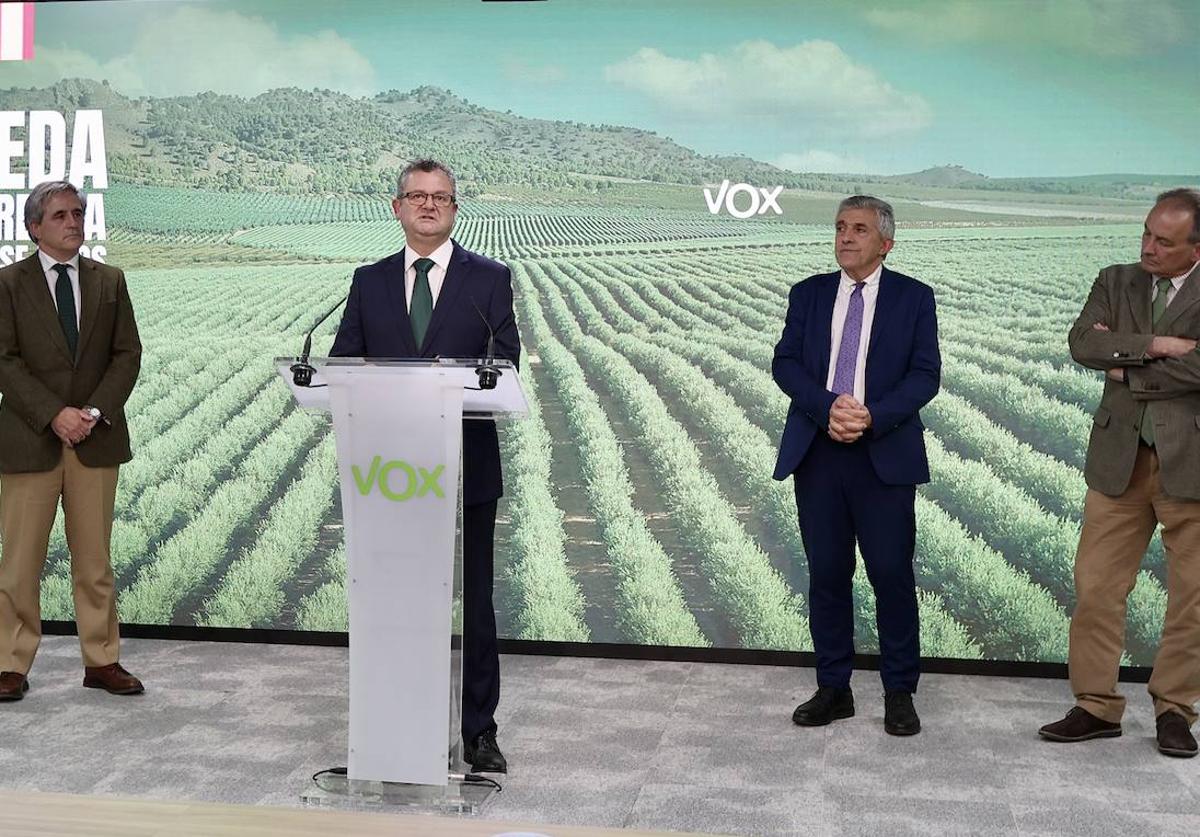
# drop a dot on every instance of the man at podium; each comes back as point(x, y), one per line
point(435, 299)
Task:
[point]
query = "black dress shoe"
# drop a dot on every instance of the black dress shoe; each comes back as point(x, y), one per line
point(13, 685)
point(1079, 725)
point(899, 714)
point(827, 704)
point(1174, 737)
point(483, 754)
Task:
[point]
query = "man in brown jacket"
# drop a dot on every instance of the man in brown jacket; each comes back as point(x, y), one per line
point(1140, 326)
point(69, 357)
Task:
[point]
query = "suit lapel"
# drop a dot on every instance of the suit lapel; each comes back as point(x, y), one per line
point(885, 301)
point(823, 331)
point(1186, 297)
point(1137, 292)
point(396, 296)
point(452, 284)
point(90, 289)
point(44, 306)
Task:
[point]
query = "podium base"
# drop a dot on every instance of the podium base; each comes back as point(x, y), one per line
point(457, 797)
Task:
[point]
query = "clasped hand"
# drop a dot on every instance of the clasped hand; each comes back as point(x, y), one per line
point(72, 425)
point(848, 419)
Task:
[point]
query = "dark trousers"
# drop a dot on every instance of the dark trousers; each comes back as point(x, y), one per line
point(840, 500)
point(481, 655)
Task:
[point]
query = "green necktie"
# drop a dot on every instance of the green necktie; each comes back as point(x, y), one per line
point(420, 310)
point(1156, 312)
point(65, 297)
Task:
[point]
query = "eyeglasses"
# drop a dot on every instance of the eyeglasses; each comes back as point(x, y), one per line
point(442, 199)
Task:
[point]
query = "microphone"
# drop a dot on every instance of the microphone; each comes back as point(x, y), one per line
point(487, 371)
point(302, 371)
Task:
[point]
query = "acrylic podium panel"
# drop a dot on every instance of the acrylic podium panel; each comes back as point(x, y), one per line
point(398, 432)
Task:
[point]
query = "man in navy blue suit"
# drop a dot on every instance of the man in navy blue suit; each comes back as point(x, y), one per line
point(859, 358)
point(426, 301)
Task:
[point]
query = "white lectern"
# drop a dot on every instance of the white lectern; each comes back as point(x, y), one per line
point(398, 430)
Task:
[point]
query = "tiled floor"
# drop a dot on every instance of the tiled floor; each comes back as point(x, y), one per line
point(672, 746)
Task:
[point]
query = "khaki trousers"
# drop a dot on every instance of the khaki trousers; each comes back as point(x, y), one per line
point(28, 503)
point(1116, 532)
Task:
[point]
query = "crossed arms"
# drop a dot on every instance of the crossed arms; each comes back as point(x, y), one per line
point(1155, 366)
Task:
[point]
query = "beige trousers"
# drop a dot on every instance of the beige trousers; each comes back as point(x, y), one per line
point(28, 503)
point(1116, 531)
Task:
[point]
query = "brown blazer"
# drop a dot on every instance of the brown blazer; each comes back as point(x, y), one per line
point(38, 376)
point(1168, 387)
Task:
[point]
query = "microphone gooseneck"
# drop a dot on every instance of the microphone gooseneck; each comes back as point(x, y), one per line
point(303, 371)
point(488, 372)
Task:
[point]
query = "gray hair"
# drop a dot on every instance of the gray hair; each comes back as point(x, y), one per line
point(426, 165)
point(883, 211)
point(35, 204)
point(1188, 199)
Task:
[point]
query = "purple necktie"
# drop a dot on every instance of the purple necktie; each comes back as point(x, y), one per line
point(847, 358)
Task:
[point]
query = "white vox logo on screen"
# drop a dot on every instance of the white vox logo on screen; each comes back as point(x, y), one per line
point(760, 199)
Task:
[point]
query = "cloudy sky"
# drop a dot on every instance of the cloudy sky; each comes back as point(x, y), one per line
point(1004, 87)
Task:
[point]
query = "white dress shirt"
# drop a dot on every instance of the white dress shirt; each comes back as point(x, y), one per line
point(841, 306)
point(52, 279)
point(437, 273)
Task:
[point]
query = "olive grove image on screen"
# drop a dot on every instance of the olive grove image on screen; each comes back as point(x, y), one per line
point(657, 176)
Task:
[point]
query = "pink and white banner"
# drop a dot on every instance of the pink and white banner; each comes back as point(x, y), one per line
point(16, 31)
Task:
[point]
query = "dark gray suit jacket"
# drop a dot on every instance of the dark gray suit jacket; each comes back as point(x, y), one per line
point(376, 324)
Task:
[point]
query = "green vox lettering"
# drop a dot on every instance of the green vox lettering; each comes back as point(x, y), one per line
point(397, 480)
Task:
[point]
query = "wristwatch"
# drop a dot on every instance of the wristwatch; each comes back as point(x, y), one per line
point(95, 413)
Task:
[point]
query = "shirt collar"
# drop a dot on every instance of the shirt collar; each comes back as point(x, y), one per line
point(871, 281)
point(440, 256)
point(1177, 281)
point(49, 263)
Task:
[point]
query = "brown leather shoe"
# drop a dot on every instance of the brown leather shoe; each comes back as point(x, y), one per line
point(113, 679)
point(13, 686)
point(1079, 725)
point(1174, 737)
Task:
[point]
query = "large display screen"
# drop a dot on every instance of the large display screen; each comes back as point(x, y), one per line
point(657, 175)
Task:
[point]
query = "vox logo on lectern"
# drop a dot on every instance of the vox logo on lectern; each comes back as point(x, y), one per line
point(397, 480)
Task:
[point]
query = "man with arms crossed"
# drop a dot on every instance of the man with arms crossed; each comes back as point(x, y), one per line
point(858, 358)
point(69, 357)
point(1140, 325)
point(425, 302)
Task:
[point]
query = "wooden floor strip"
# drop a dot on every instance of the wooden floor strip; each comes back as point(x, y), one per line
point(68, 815)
